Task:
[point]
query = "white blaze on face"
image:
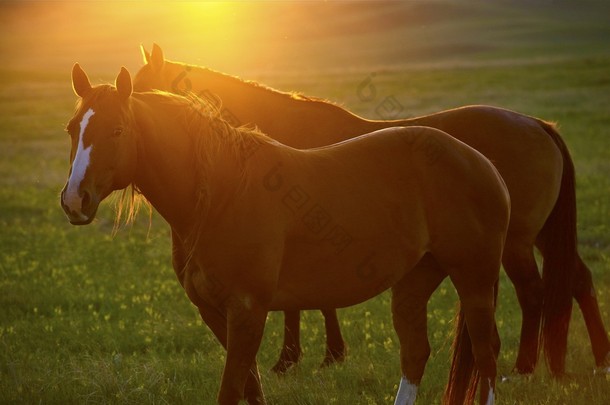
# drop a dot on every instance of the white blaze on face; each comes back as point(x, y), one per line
point(407, 392)
point(79, 167)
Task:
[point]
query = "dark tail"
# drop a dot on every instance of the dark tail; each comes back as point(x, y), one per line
point(557, 243)
point(463, 376)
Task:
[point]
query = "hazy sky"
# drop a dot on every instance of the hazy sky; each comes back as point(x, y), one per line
point(229, 35)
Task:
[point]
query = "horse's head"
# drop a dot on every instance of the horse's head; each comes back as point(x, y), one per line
point(151, 76)
point(104, 152)
point(160, 74)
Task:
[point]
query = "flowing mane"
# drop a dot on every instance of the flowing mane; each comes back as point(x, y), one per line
point(210, 134)
point(202, 120)
point(292, 95)
point(214, 141)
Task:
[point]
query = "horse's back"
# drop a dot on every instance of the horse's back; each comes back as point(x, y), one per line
point(465, 202)
point(521, 149)
point(424, 169)
point(455, 179)
point(423, 153)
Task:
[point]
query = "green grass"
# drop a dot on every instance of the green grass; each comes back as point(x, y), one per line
point(86, 317)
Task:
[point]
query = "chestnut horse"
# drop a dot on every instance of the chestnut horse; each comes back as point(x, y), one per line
point(261, 226)
point(530, 155)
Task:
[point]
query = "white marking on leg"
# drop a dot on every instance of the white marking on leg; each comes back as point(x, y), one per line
point(407, 392)
point(79, 167)
point(490, 395)
point(604, 369)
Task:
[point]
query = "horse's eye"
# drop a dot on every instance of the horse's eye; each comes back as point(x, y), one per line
point(117, 131)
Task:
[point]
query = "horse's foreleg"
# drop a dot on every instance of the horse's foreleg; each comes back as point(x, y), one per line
point(335, 345)
point(585, 295)
point(520, 265)
point(291, 349)
point(409, 315)
point(217, 322)
point(214, 318)
point(245, 325)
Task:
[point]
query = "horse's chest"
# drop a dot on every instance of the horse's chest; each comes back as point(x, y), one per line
point(205, 286)
point(236, 278)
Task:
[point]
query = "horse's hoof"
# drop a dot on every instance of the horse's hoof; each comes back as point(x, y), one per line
point(603, 367)
point(288, 359)
point(514, 377)
point(603, 371)
point(328, 361)
point(333, 357)
point(282, 367)
point(524, 369)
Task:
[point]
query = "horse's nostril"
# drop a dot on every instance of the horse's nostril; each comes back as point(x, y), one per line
point(86, 199)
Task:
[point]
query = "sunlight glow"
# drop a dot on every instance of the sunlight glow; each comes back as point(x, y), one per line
point(219, 26)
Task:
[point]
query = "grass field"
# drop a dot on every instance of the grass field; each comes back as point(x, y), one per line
point(88, 317)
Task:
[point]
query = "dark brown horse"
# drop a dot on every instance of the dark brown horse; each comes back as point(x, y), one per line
point(530, 155)
point(259, 226)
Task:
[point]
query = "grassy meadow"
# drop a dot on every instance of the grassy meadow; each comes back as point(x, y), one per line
point(91, 317)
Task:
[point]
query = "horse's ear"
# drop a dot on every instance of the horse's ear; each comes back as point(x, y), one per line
point(145, 54)
point(123, 84)
point(80, 81)
point(156, 58)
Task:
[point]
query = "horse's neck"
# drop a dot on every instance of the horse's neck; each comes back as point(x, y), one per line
point(277, 114)
point(164, 173)
point(245, 102)
point(296, 122)
point(170, 175)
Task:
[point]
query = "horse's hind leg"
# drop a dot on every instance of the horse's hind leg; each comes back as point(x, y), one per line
point(409, 314)
point(584, 292)
point(291, 348)
point(335, 345)
point(520, 265)
point(477, 292)
point(480, 321)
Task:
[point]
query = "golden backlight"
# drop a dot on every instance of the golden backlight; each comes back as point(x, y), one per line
point(235, 37)
point(105, 35)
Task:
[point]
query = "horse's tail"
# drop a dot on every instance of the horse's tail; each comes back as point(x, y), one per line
point(463, 376)
point(558, 245)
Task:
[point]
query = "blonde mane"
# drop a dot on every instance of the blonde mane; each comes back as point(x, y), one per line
point(213, 140)
point(293, 95)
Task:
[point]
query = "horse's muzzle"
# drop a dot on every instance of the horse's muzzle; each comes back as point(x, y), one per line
point(80, 209)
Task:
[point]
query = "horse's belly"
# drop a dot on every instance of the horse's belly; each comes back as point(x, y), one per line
point(322, 278)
